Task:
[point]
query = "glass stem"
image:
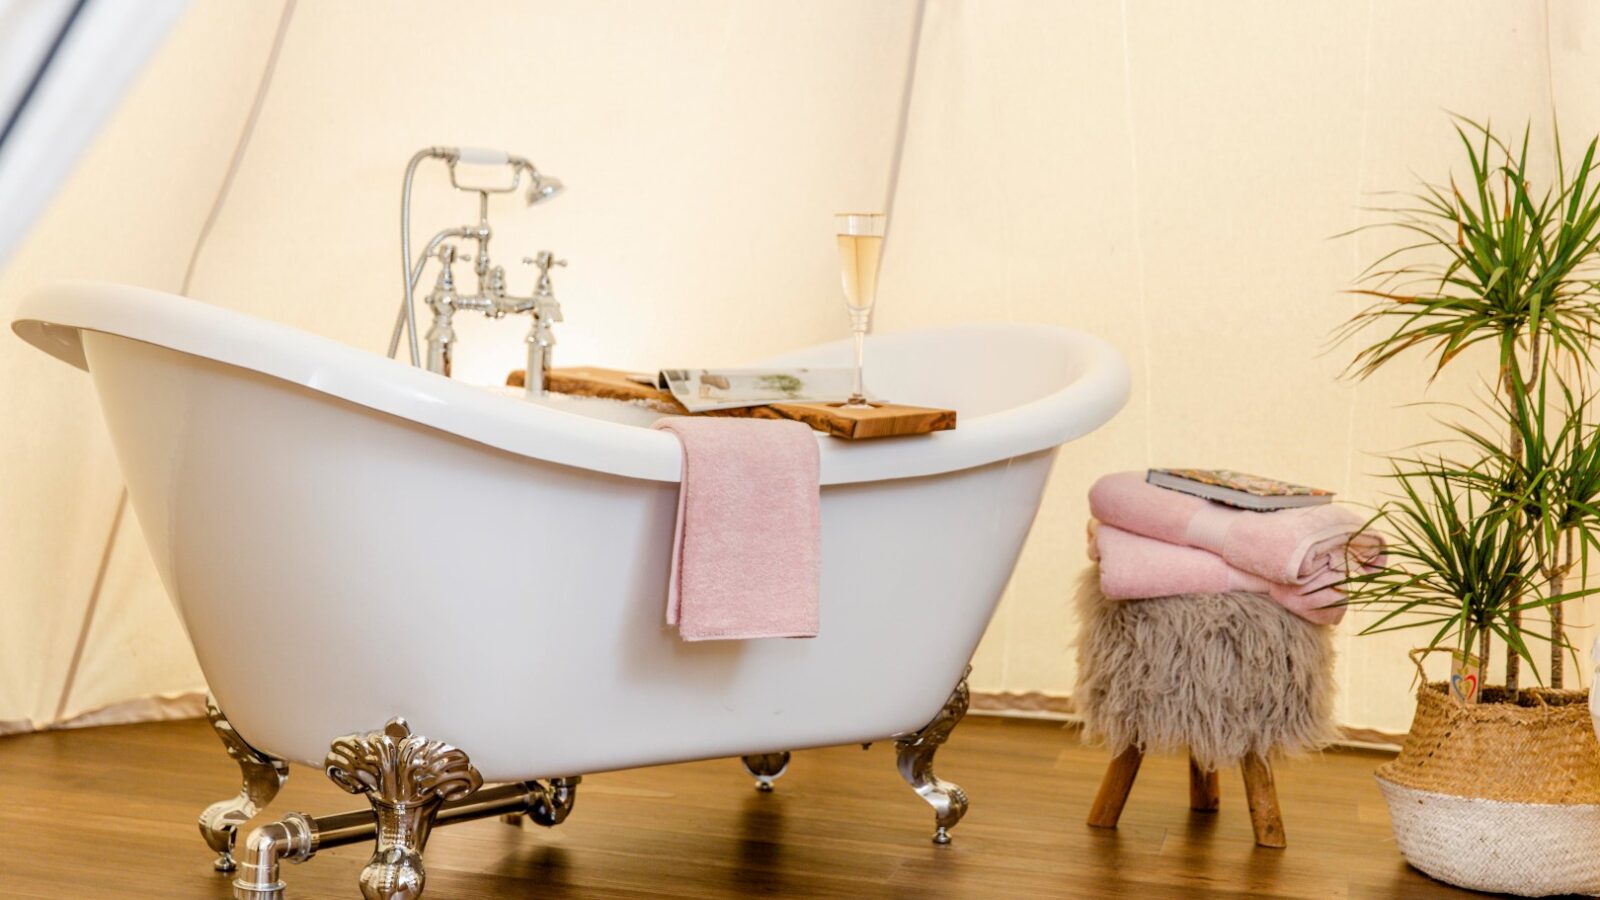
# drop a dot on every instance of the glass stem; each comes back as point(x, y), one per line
point(858, 326)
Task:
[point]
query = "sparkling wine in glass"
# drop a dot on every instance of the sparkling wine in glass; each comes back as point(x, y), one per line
point(860, 248)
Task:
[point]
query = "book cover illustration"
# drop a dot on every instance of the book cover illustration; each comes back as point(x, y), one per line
point(1244, 482)
point(1239, 489)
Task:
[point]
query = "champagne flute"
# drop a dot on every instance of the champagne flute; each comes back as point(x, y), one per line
point(860, 248)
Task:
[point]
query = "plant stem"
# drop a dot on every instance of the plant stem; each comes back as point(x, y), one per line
point(1534, 361)
point(1513, 387)
point(1557, 664)
point(1508, 381)
point(1558, 638)
point(1483, 649)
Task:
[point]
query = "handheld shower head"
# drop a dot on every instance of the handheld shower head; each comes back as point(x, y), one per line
point(543, 187)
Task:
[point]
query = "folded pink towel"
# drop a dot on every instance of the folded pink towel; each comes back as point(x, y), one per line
point(1290, 546)
point(747, 551)
point(1134, 567)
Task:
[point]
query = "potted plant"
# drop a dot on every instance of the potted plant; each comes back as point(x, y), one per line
point(1497, 787)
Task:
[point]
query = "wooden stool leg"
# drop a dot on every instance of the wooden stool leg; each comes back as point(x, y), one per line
point(1262, 795)
point(1205, 794)
point(1114, 788)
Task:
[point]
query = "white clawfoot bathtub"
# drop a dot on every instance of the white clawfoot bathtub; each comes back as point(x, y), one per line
point(348, 539)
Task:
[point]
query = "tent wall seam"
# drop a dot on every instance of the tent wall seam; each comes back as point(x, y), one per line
point(903, 125)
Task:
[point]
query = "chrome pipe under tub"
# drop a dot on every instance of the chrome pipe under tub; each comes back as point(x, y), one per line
point(298, 837)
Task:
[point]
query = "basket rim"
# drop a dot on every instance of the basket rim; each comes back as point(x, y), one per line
point(1570, 702)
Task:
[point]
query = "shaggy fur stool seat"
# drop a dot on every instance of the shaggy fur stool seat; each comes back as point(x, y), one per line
point(1234, 678)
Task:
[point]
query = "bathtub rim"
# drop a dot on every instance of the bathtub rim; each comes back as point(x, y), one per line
point(52, 318)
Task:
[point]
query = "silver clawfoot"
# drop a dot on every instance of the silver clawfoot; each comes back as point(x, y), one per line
point(914, 756)
point(767, 768)
point(263, 776)
point(406, 778)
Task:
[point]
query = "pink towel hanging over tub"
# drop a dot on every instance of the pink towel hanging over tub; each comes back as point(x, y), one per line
point(747, 550)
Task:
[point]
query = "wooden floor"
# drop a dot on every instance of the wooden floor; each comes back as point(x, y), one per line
point(110, 812)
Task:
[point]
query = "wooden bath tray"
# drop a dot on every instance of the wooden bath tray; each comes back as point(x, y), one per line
point(887, 420)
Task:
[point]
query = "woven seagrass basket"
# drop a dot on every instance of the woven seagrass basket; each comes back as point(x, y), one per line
point(1500, 795)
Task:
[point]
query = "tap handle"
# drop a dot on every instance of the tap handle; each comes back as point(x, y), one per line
point(544, 297)
point(447, 261)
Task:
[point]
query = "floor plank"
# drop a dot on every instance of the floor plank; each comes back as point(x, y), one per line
point(110, 812)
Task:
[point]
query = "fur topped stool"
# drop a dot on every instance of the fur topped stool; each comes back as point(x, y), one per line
point(1233, 677)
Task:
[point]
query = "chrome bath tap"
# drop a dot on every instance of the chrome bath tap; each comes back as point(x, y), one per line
point(490, 296)
point(444, 302)
point(546, 310)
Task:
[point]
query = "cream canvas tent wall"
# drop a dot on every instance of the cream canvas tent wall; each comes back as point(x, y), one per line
point(1165, 176)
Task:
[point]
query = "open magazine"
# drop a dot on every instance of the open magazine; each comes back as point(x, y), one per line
point(700, 390)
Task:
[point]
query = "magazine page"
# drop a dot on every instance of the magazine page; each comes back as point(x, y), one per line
point(706, 389)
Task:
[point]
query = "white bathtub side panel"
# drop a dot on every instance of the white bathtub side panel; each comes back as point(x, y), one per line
point(336, 566)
